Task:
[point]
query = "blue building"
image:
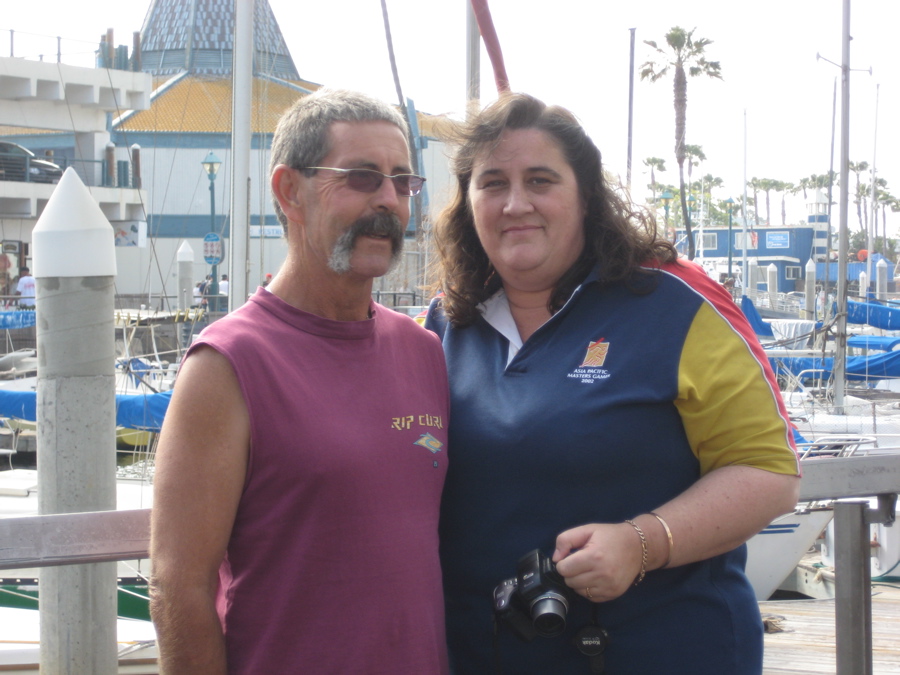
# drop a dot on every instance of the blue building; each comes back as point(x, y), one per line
point(788, 247)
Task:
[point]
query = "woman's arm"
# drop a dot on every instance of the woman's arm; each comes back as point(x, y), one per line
point(715, 515)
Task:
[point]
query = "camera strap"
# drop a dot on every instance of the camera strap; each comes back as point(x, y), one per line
point(591, 641)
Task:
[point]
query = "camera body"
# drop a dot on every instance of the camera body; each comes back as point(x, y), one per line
point(535, 601)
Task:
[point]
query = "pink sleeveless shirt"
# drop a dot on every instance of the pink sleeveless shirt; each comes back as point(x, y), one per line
point(333, 561)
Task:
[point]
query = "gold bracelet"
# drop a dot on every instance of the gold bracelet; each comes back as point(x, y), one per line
point(668, 534)
point(640, 576)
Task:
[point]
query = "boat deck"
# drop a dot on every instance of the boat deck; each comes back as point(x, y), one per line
point(806, 643)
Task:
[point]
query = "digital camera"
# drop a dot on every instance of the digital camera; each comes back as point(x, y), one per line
point(535, 601)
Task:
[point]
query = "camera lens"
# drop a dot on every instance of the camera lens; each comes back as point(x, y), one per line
point(549, 614)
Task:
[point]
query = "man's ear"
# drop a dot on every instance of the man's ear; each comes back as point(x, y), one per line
point(286, 189)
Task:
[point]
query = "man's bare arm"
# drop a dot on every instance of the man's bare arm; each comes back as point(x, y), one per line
point(200, 469)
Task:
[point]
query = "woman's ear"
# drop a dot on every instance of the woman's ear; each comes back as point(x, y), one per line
point(286, 189)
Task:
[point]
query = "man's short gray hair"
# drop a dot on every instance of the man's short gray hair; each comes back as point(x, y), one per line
point(301, 137)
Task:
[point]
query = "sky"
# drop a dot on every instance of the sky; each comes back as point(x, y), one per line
point(774, 92)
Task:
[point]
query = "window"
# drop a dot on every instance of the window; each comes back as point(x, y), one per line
point(710, 241)
point(792, 272)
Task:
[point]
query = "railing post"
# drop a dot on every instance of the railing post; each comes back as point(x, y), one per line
point(853, 592)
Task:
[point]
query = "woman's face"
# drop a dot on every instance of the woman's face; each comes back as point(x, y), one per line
point(527, 209)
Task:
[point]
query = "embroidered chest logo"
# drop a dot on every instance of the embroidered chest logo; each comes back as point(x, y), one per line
point(591, 368)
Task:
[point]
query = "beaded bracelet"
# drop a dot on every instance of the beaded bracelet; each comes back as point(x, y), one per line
point(668, 534)
point(643, 572)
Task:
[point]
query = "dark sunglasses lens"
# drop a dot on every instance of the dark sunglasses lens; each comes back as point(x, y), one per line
point(415, 184)
point(363, 180)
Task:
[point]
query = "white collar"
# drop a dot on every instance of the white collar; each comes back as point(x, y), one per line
point(496, 312)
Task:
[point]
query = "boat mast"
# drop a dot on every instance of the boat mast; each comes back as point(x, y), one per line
point(473, 61)
point(840, 355)
point(874, 209)
point(242, 97)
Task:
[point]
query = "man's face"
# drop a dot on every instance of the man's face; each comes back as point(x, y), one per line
point(351, 232)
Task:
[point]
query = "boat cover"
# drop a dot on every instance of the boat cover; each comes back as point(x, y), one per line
point(20, 318)
point(133, 411)
point(759, 326)
point(877, 315)
point(885, 343)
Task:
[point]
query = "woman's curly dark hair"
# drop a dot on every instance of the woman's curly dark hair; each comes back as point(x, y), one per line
point(618, 239)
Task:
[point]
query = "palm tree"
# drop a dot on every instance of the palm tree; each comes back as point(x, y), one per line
point(655, 164)
point(755, 185)
point(694, 155)
point(686, 57)
point(858, 168)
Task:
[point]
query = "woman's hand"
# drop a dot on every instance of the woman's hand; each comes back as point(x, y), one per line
point(599, 561)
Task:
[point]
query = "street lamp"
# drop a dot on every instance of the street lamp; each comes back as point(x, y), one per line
point(730, 203)
point(211, 164)
point(691, 203)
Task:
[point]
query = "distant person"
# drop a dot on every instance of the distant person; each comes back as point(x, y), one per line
point(302, 458)
point(26, 289)
point(223, 285)
point(268, 280)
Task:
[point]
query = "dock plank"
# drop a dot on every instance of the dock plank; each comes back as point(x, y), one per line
point(806, 645)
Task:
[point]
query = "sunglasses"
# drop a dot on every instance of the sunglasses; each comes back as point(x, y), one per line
point(369, 180)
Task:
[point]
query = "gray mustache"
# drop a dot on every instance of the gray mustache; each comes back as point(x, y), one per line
point(378, 225)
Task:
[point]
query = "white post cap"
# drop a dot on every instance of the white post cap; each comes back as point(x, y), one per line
point(73, 238)
point(185, 253)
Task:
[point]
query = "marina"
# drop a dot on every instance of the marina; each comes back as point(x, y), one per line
point(816, 624)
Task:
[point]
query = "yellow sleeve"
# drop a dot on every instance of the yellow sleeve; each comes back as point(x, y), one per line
point(729, 401)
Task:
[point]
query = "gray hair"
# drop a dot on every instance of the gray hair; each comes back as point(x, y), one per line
point(301, 138)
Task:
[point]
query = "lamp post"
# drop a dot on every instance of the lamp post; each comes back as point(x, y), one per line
point(211, 164)
point(730, 203)
point(691, 204)
point(667, 198)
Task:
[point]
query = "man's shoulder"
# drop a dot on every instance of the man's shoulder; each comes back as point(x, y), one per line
point(404, 325)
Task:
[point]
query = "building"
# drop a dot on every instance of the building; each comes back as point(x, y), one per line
point(789, 248)
point(147, 146)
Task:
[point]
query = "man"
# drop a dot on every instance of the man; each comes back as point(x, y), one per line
point(300, 465)
point(223, 285)
point(26, 289)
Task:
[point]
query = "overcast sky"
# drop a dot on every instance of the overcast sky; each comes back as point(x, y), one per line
point(576, 53)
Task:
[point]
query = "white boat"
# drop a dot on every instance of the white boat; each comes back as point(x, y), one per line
point(20, 645)
point(19, 497)
point(774, 553)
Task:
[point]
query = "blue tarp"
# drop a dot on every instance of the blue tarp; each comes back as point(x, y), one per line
point(883, 342)
point(759, 326)
point(872, 367)
point(879, 316)
point(24, 318)
point(133, 411)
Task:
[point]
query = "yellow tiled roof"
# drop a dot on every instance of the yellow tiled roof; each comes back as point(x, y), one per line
point(199, 104)
point(202, 104)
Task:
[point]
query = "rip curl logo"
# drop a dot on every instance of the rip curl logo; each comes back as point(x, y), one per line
point(591, 366)
point(430, 443)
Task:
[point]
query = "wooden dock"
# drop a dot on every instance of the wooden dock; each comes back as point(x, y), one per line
point(806, 643)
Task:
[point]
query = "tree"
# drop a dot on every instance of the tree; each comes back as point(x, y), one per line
point(655, 164)
point(755, 185)
point(685, 57)
point(694, 155)
point(858, 168)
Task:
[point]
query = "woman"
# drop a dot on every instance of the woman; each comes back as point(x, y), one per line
point(611, 407)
